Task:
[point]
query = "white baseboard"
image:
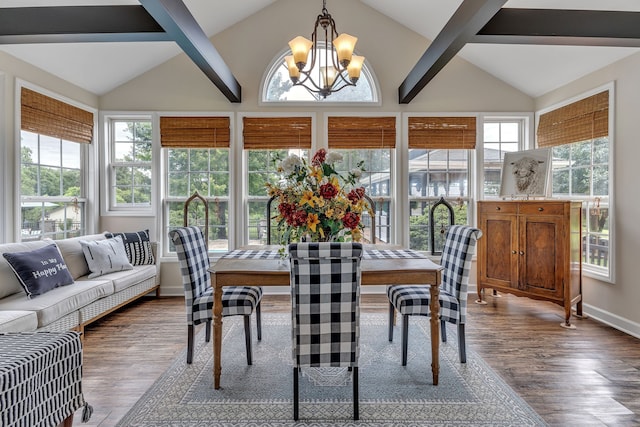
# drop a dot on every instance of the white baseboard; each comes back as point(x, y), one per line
point(613, 320)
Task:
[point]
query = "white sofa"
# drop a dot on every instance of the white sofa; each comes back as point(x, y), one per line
point(73, 306)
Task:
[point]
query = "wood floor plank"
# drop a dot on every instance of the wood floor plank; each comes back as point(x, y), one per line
point(589, 376)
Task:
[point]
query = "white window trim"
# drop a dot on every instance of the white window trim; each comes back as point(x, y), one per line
point(278, 60)
point(107, 208)
point(589, 271)
point(89, 160)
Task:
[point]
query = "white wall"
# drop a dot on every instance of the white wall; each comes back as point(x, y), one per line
point(617, 303)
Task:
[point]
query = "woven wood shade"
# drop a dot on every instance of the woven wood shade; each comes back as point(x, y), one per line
point(195, 132)
point(362, 132)
point(47, 116)
point(579, 121)
point(263, 133)
point(442, 133)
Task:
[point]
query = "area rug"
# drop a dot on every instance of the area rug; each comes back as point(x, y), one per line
point(468, 394)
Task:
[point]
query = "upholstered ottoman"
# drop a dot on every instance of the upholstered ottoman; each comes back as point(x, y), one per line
point(40, 379)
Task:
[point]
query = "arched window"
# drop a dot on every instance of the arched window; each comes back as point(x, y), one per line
point(277, 87)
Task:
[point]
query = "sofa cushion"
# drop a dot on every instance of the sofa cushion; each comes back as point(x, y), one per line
point(105, 256)
point(59, 302)
point(9, 283)
point(18, 321)
point(124, 279)
point(73, 255)
point(39, 270)
point(137, 245)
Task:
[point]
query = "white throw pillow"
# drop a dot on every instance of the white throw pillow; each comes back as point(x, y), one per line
point(105, 256)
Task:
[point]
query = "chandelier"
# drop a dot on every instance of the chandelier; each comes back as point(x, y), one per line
point(333, 65)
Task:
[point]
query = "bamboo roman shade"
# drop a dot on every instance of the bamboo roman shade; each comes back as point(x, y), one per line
point(48, 116)
point(579, 121)
point(262, 133)
point(442, 132)
point(195, 132)
point(362, 132)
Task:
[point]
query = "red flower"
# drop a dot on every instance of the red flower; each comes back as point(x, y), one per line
point(286, 209)
point(351, 220)
point(356, 194)
point(319, 157)
point(298, 219)
point(328, 191)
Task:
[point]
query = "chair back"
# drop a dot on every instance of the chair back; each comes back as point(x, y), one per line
point(325, 298)
point(193, 255)
point(459, 246)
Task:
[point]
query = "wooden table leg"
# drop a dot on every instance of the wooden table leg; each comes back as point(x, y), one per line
point(434, 305)
point(217, 331)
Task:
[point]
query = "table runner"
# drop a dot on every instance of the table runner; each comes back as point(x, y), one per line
point(368, 254)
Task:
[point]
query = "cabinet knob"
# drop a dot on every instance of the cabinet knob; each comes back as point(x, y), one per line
point(540, 209)
point(514, 252)
point(497, 208)
point(521, 253)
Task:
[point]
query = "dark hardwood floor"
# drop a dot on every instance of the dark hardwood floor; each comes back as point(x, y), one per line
point(589, 376)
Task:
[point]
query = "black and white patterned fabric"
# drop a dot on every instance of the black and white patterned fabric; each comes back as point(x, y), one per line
point(459, 246)
point(325, 298)
point(137, 245)
point(193, 255)
point(371, 253)
point(40, 378)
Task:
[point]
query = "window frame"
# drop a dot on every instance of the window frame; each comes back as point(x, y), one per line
point(278, 61)
point(88, 161)
point(597, 272)
point(107, 195)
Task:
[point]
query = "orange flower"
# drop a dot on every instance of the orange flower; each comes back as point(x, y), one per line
point(312, 221)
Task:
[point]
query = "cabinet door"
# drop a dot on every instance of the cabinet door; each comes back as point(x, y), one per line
point(542, 252)
point(497, 257)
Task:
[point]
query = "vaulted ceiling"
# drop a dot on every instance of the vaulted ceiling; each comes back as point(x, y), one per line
point(533, 45)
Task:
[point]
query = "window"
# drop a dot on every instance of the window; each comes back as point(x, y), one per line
point(372, 140)
point(54, 139)
point(500, 136)
point(266, 140)
point(439, 167)
point(197, 159)
point(578, 135)
point(277, 87)
point(130, 160)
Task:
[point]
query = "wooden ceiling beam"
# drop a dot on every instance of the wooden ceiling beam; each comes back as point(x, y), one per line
point(465, 23)
point(562, 27)
point(77, 24)
point(177, 21)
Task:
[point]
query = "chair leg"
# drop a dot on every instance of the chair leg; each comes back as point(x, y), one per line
point(189, 344)
point(391, 318)
point(405, 338)
point(461, 343)
point(443, 330)
point(259, 321)
point(247, 337)
point(356, 402)
point(295, 394)
point(207, 337)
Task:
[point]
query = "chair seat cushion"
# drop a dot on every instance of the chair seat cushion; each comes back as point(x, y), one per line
point(236, 300)
point(415, 299)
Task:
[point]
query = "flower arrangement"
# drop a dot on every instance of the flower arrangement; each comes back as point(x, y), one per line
point(316, 203)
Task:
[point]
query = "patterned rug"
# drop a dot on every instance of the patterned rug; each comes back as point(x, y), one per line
point(469, 394)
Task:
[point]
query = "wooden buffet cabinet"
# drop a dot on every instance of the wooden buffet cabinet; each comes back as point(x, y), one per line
point(532, 249)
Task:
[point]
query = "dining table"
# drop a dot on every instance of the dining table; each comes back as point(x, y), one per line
point(382, 264)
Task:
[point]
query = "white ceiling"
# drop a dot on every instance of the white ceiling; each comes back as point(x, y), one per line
point(533, 69)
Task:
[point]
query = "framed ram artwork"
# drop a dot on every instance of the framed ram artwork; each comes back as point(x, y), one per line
point(526, 173)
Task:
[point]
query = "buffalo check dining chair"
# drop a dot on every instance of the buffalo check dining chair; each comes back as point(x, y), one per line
point(325, 316)
point(410, 300)
point(193, 255)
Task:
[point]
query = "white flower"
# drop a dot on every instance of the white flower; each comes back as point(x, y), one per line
point(333, 157)
point(356, 173)
point(289, 164)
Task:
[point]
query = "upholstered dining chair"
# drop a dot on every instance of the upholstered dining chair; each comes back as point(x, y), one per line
point(409, 300)
point(192, 251)
point(325, 315)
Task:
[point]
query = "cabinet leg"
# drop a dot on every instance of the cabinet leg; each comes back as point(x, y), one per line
point(480, 294)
